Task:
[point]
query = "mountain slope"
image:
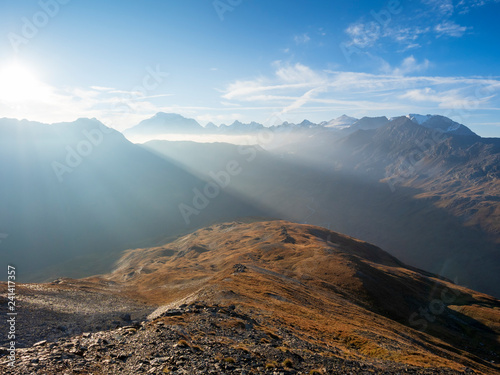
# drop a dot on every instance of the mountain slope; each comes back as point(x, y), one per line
point(334, 194)
point(80, 192)
point(298, 271)
point(282, 296)
point(443, 159)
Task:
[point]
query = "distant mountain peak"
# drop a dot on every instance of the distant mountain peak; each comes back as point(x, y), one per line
point(341, 122)
point(367, 123)
point(211, 125)
point(306, 123)
point(419, 119)
point(441, 123)
point(166, 123)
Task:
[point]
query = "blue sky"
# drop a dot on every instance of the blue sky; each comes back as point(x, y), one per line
point(268, 61)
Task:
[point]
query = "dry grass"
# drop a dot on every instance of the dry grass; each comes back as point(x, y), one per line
point(183, 344)
point(326, 288)
point(287, 363)
point(271, 365)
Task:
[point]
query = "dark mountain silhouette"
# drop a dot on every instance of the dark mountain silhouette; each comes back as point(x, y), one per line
point(77, 192)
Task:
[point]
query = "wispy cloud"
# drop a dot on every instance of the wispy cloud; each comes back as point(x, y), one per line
point(296, 90)
point(301, 39)
point(442, 7)
point(410, 65)
point(410, 29)
point(297, 86)
point(363, 34)
point(118, 108)
point(406, 35)
point(450, 28)
point(465, 6)
point(446, 99)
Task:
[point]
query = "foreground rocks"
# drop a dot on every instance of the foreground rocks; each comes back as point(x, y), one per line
point(196, 339)
point(65, 308)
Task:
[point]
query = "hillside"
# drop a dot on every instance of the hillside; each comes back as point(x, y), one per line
point(336, 190)
point(84, 193)
point(74, 195)
point(264, 296)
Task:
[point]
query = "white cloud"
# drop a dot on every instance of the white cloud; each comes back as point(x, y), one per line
point(102, 88)
point(447, 99)
point(405, 35)
point(297, 73)
point(410, 65)
point(298, 88)
point(450, 28)
point(301, 39)
point(443, 7)
point(291, 91)
point(363, 34)
point(117, 108)
point(465, 6)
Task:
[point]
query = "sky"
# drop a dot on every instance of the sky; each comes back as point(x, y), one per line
point(250, 60)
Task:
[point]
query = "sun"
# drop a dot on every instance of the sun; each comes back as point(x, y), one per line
point(19, 84)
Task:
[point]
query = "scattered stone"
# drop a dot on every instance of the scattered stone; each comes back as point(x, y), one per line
point(239, 268)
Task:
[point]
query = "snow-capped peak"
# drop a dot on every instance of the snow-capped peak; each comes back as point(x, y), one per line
point(419, 119)
point(341, 122)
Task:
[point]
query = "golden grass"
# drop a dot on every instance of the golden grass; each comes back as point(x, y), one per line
point(327, 289)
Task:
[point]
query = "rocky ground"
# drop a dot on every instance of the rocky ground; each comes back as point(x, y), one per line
point(257, 298)
point(195, 339)
point(63, 308)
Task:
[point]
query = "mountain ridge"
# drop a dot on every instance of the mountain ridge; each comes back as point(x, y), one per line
point(169, 123)
point(302, 297)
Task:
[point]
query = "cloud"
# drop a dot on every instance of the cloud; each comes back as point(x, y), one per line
point(443, 7)
point(301, 39)
point(465, 6)
point(299, 88)
point(450, 28)
point(295, 90)
point(363, 34)
point(410, 65)
point(102, 88)
point(297, 73)
point(117, 108)
point(409, 29)
point(291, 78)
point(406, 35)
point(366, 35)
point(447, 99)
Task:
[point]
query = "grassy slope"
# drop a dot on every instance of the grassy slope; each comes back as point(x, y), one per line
point(337, 291)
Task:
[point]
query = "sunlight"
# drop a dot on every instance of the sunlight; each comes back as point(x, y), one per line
point(19, 84)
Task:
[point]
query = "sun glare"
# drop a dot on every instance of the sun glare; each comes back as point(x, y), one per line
point(19, 84)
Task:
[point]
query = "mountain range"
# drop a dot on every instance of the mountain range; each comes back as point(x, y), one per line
point(171, 123)
point(422, 187)
point(188, 257)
